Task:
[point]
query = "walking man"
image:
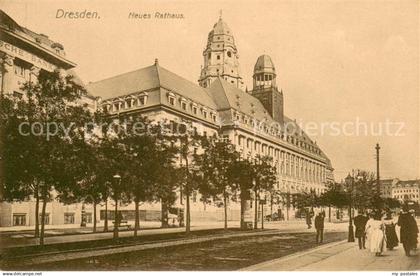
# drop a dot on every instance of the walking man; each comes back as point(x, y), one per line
point(360, 222)
point(408, 230)
point(319, 226)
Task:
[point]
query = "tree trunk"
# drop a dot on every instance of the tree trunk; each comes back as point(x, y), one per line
point(262, 216)
point(137, 219)
point(44, 207)
point(106, 216)
point(329, 213)
point(225, 209)
point(243, 202)
point(187, 192)
point(164, 215)
point(36, 194)
point(116, 219)
point(188, 219)
point(94, 216)
point(256, 209)
point(271, 207)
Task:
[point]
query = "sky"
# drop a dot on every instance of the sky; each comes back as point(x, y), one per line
point(340, 64)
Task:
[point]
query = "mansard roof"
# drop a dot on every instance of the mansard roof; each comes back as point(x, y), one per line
point(227, 96)
point(408, 183)
point(149, 78)
point(220, 96)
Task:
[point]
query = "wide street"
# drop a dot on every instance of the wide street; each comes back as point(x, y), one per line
point(283, 246)
point(25, 238)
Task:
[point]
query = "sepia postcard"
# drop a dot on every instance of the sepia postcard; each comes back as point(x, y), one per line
point(223, 135)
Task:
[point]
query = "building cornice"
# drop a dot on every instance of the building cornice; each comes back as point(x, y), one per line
point(68, 64)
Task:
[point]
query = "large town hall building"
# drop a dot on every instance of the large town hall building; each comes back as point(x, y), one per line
point(217, 104)
point(253, 121)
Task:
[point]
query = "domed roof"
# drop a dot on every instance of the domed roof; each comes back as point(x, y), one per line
point(264, 64)
point(221, 28)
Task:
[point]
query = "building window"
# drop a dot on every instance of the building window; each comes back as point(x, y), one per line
point(205, 114)
point(218, 56)
point(128, 103)
point(229, 54)
point(19, 219)
point(171, 100)
point(194, 109)
point(88, 217)
point(46, 218)
point(209, 56)
point(68, 218)
point(184, 105)
point(116, 106)
point(142, 100)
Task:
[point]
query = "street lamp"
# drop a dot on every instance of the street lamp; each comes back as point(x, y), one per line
point(117, 179)
point(349, 182)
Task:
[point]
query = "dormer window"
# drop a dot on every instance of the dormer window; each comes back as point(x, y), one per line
point(184, 105)
point(213, 116)
point(205, 114)
point(128, 103)
point(194, 109)
point(171, 98)
point(116, 106)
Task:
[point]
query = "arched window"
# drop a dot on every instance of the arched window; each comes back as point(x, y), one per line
point(229, 54)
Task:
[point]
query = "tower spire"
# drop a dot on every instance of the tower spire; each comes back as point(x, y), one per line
point(220, 13)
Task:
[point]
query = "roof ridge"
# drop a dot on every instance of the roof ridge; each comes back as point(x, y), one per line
point(119, 75)
point(224, 89)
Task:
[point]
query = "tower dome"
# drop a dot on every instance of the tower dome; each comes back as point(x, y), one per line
point(264, 72)
point(221, 28)
point(265, 87)
point(221, 57)
point(264, 64)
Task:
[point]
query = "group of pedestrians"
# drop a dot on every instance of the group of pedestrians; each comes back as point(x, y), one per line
point(376, 231)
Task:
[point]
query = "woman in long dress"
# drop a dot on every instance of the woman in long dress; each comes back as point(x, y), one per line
point(390, 233)
point(376, 234)
point(368, 229)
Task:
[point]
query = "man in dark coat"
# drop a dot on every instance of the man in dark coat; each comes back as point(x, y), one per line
point(319, 226)
point(408, 230)
point(360, 222)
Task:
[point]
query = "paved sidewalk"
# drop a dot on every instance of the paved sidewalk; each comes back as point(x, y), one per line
point(18, 241)
point(341, 256)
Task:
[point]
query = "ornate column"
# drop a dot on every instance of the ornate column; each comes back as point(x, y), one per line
point(6, 65)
